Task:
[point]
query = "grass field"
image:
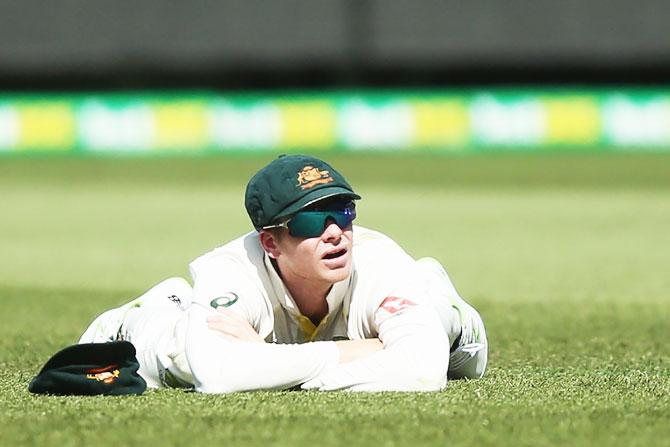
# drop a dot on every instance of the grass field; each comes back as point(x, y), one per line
point(567, 258)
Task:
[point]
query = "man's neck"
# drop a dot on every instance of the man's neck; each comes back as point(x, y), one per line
point(309, 296)
point(310, 299)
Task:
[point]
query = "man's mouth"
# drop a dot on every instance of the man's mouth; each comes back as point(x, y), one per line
point(335, 254)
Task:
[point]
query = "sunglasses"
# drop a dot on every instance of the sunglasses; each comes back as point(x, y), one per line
point(312, 223)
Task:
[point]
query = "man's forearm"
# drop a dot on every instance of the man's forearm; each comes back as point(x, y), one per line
point(221, 365)
point(351, 350)
point(415, 358)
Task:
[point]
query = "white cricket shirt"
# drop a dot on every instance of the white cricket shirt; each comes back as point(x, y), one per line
point(385, 297)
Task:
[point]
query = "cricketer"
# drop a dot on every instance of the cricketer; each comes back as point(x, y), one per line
point(306, 299)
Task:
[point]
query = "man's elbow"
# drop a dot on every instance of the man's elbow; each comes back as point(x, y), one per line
point(428, 381)
point(434, 382)
point(222, 386)
point(226, 381)
point(429, 374)
point(212, 385)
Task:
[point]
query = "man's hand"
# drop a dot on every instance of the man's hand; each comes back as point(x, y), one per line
point(232, 326)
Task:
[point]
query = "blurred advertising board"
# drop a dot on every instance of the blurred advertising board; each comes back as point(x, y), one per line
point(442, 121)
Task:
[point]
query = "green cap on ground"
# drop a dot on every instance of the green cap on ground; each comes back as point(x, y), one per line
point(289, 184)
point(90, 369)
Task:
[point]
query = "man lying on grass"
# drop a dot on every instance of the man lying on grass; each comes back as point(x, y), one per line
point(306, 299)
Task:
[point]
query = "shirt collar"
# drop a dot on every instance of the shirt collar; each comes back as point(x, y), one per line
point(334, 298)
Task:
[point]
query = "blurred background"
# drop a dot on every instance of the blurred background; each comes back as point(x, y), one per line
point(497, 128)
point(317, 75)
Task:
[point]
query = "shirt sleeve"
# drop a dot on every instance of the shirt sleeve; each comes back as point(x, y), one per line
point(223, 366)
point(221, 280)
point(415, 355)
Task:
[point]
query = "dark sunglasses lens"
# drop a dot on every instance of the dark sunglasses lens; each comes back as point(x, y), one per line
point(306, 224)
point(345, 218)
point(312, 223)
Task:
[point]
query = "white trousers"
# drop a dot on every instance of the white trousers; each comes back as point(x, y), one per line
point(155, 323)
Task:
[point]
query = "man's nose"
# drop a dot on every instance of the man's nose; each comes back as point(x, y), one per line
point(331, 231)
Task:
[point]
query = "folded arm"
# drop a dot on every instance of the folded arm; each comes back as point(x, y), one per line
point(235, 328)
point(415, 356)
point(222, 365)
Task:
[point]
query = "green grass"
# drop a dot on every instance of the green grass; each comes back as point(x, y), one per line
point(566, 257)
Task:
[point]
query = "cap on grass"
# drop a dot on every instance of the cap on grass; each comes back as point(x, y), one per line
point(89, 369)
point(289, 184)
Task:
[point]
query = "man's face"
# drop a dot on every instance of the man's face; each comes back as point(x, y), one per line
point(326, 258)
point(315, 244)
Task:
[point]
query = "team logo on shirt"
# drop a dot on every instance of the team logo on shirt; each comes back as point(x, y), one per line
point(394, 304)
point(175, 299)
point(225, 300)
point(311, 176)
point(107, 374)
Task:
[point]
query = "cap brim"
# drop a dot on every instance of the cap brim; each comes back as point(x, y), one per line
point(91, 353)
point(91, 369)
point(316, 196)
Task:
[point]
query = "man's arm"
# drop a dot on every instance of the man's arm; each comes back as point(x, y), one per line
point(415, 358)
point(415, 355)
point(226, 354)
point(221, 365)
point(235, 328)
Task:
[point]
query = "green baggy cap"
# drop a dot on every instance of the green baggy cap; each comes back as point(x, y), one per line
point(289, 184)
point(89, 369)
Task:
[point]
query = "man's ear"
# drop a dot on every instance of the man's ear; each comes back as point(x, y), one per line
point(269, 243)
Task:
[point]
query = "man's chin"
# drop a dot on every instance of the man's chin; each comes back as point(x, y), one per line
point(337, 273)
